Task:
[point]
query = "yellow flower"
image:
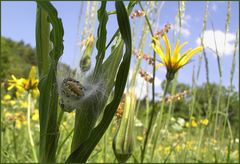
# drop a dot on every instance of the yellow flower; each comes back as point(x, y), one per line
point(187, 125)
point(23, 84)
point(173, 60)
point(35, 116)
point(194, 123)
point(167, 150)
point(12, 102)
point(178, 148)
point(18, 124)
point(7, 97)
point(23, 104)
point(16, 83)
point(139, 138)
point(204, 122)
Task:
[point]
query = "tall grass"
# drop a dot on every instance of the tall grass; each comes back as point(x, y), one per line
point(159, 133)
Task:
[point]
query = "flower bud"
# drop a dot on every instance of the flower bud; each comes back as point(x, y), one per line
point(85, 62)
point(124, 137)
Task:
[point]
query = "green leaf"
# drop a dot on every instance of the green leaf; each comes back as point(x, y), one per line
point(48, 101)
point(42, 41)
point(82, 153)
point(102, 36)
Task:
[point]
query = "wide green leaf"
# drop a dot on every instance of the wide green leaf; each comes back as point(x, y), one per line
point(48, 101)
point(82, 153)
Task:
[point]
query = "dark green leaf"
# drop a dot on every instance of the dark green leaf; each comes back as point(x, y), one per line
point(48, 102)
point(83, 152)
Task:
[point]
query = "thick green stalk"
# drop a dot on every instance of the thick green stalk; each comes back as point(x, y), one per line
point(29, 128)
point(48, 100)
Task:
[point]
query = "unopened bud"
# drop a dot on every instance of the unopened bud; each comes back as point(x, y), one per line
point(124, 138)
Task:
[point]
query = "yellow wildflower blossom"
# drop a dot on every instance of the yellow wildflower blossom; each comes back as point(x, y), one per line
point(204, 122)
point(173, 60)
point(178, 148)
point(194, 123)
point(167, 150)
point(139, 138)
point(18, 124)
point(23, 104)
point(23, 84)
point(12, 102)
point(187, 124)
point(6, 97)
point(35, 116)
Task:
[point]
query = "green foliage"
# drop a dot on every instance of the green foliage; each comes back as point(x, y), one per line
point(48, 102)
point(16, 57)
point(82, 153)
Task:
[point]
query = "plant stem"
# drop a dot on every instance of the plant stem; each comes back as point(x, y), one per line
point(29, 127)
point(153, 93)
point(159, 119)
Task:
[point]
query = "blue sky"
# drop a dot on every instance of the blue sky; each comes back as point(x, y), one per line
point(18, 23)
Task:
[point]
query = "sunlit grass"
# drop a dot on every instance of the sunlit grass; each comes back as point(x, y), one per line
point(132, 130)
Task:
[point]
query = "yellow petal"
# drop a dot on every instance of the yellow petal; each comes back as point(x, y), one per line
point(179, 49)
point(159, 65)
point(10, 87)
point(191, 53)
point(168, 48)
point(14, 78)
point(157, 43)
point(159, 52)
point(181, 61)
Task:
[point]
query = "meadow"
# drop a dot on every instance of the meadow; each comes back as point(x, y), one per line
point(98, 113)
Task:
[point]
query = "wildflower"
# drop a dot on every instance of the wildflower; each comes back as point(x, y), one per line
point(167, 150)
point(23, 104)
point(204, 122)
point(178, 148)
point(12, 102)
point(173, 61)
point(194, 123)
point(6, 97)
point(139, 138)
point(35, 115)
point(22, 84)
point(16, 83)
point(18, 124)
point(189, 144)
point(187, 124)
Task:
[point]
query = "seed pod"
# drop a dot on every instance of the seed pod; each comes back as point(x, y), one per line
point(123, 139)
point(85, 62)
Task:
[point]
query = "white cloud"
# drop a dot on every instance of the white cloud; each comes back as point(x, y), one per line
point(209, 42)
point(141, 85)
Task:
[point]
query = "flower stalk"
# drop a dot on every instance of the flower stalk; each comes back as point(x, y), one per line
point(29, 127)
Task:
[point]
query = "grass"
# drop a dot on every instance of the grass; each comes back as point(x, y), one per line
point(158, 133)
